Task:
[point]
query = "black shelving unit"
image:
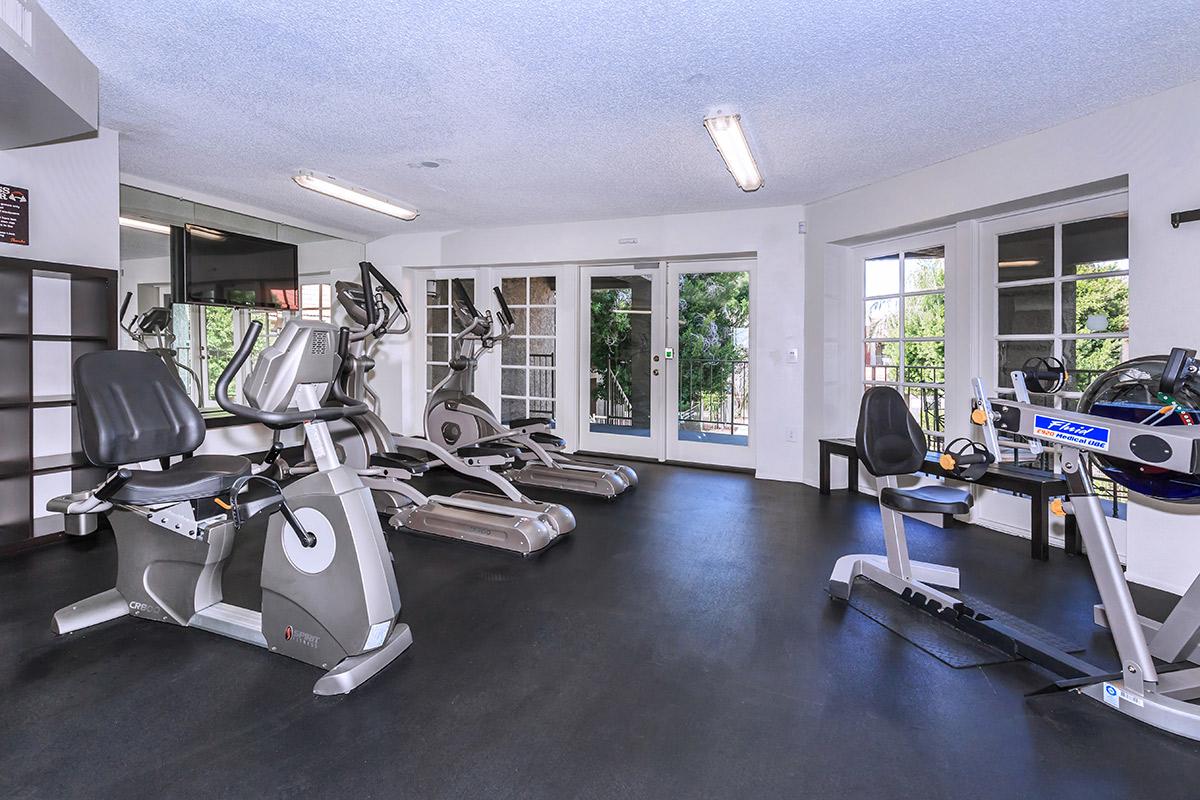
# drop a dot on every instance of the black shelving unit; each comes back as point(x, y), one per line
point(84, 324)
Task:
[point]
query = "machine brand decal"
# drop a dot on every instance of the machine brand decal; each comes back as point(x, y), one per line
point(1113, 695)
point(300, 637)
point(1063, 430)
point(138, 607)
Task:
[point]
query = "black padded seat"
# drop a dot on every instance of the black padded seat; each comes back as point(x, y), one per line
point(190, 479)
point(408, 459)
point(524, 422)
point(548, 439)
point(927, 500)
point(488, 450)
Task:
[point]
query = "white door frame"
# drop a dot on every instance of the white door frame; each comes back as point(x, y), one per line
point(566, 281)
point(677, 449)
point(640, 446)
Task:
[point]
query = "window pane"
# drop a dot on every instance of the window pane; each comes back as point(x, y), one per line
point(512, 409)
point(541, 321)
point(927, 405)
point(925, 269)
point(437, 293)
point(1096, 305)
point(435, 374)
point(882, 361)
point(882, 276)
point(1096, 245)
point(541, 352)
point(518, 321)
point(1087, 359)
point(882, 319)
point(1014, 354)
point(541, 383)
point(218, 338)
point(437, 348)
point(512, 382)
point(513, 290)
point(1026, 255)
point(439, 320)
point(1026, 309)
point(925, 315)
point(310, 295)
point(925, 362)
point(541, 291)
point(512, 351)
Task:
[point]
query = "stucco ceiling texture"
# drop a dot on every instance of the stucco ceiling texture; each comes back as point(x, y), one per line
point(547, 112)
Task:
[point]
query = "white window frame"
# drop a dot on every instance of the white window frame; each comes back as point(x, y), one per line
point(943, 237)
point(1057, 215)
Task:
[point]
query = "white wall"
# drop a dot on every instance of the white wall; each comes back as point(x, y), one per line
point(73, 200)
point(772, 233)
point(1153, 141)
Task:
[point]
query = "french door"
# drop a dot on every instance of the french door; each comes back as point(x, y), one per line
point(667, 362)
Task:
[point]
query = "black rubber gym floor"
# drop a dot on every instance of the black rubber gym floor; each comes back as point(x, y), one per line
point(679, 644)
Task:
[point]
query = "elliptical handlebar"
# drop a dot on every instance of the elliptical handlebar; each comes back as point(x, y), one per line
point(506, 314)
point(276, 419)
point(124, 305)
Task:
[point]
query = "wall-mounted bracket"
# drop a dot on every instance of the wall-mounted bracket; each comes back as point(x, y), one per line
point(1180, 217)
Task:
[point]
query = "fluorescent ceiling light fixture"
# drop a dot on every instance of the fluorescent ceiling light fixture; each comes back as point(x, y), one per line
point(331, 186)
point(205, 233)
point(1023, 262)
point(727, 134)
point(142, 225)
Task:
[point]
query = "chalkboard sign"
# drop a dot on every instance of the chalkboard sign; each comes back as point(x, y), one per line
point(14, 215)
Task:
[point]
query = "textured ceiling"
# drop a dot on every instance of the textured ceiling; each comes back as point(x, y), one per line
point(543, 112)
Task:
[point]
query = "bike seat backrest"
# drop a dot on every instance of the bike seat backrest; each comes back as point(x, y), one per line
point(889, 440)
point(131, 408)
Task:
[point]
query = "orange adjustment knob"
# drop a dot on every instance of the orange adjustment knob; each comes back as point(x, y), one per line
point(222, 503)
point(947, 462)
point(1057, 507)
point(979, 416)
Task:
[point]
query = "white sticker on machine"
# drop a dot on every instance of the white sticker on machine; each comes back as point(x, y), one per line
point(1113, 695)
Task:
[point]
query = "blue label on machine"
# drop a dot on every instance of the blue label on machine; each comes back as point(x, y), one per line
point(1064, 430)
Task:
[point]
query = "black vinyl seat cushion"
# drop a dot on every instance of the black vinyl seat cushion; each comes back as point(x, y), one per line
point(927, 500)
point(190, 479)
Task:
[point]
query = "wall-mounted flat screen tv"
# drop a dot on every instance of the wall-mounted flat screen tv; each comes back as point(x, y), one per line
point(230, 269)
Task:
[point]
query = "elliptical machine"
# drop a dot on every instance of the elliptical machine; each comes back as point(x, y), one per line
point(1138, 424)
point(329, 594)
point(456, 419)
point(387, 462)
point(152, 332)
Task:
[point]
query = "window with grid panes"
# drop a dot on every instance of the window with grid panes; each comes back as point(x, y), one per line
point(316, 301)
point(1062, 290)
point(529, 356)
point(904, 332)
point(440, 325)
